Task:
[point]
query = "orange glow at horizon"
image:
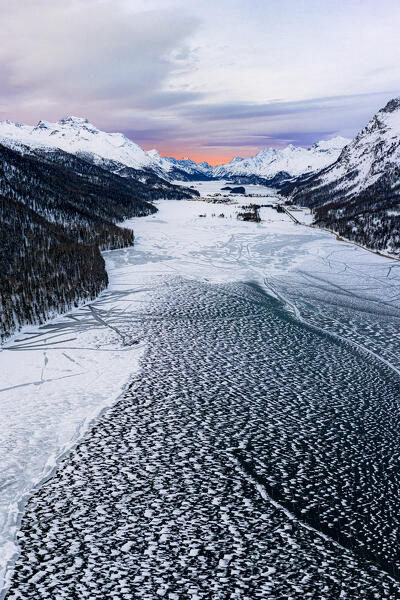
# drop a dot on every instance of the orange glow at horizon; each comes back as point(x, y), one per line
point(213, 158)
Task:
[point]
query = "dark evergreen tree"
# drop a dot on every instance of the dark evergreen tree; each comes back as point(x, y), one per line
point(57, 211)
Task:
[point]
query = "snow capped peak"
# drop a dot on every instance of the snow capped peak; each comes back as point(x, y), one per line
point(293, 160)
point(74, 121)
point(336, 143)
point(389, 117)
point(262, 153)
point(391, 106)
point(386, 122)
point(164, 165)
point(237, 159)
point(78, 136)
point(67, 123)
point(75, 124)
point(383, 129)
point(373, 152)
point(155, 153)
point(43, 125)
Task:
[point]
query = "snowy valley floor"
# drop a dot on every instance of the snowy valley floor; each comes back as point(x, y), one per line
point(254, 452)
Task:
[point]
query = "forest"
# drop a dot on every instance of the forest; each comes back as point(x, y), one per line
point(57, 212)
point(370, 217)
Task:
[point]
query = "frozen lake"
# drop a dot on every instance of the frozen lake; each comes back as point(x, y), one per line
point(54, 380)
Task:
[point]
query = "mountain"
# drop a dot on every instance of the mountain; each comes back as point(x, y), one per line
point(77, 136)
point(118, 154)
point(272, 164)
point(359, 195)
point(111, 151)
point(181, 169)
point(57, 211)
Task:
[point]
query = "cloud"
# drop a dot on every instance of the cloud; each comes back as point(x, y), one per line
point(251, 126)
point(182, 75)
point(224, 111)
point(91, 51)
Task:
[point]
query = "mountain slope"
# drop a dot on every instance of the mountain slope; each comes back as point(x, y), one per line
point(43, 270)
point(57, 212)
point(114, 152)
point(291, 161)
point(359, 195)
point(77, 136)
point(62, 188)
point(183, 169)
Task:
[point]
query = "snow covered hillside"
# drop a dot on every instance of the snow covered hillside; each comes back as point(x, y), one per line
point(374, 151)
point(359, 195)
point(77, 136)
point(292, 160)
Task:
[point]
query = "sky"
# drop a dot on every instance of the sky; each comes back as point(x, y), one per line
point(206, 79)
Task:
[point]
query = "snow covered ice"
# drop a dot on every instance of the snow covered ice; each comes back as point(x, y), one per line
point(253, 455)
point(54, 380)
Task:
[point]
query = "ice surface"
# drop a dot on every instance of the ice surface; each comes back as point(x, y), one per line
point(55, 379)
point(228, 469)
point(178, 240)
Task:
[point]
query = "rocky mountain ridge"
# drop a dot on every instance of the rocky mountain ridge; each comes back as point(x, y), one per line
point(359, 194)
point(292, 161)
point(114, 150)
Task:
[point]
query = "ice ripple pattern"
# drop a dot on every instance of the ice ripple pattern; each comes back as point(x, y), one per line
point(252, 458)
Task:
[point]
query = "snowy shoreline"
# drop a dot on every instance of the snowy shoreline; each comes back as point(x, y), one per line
point(56, 380)
point(11, 549)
